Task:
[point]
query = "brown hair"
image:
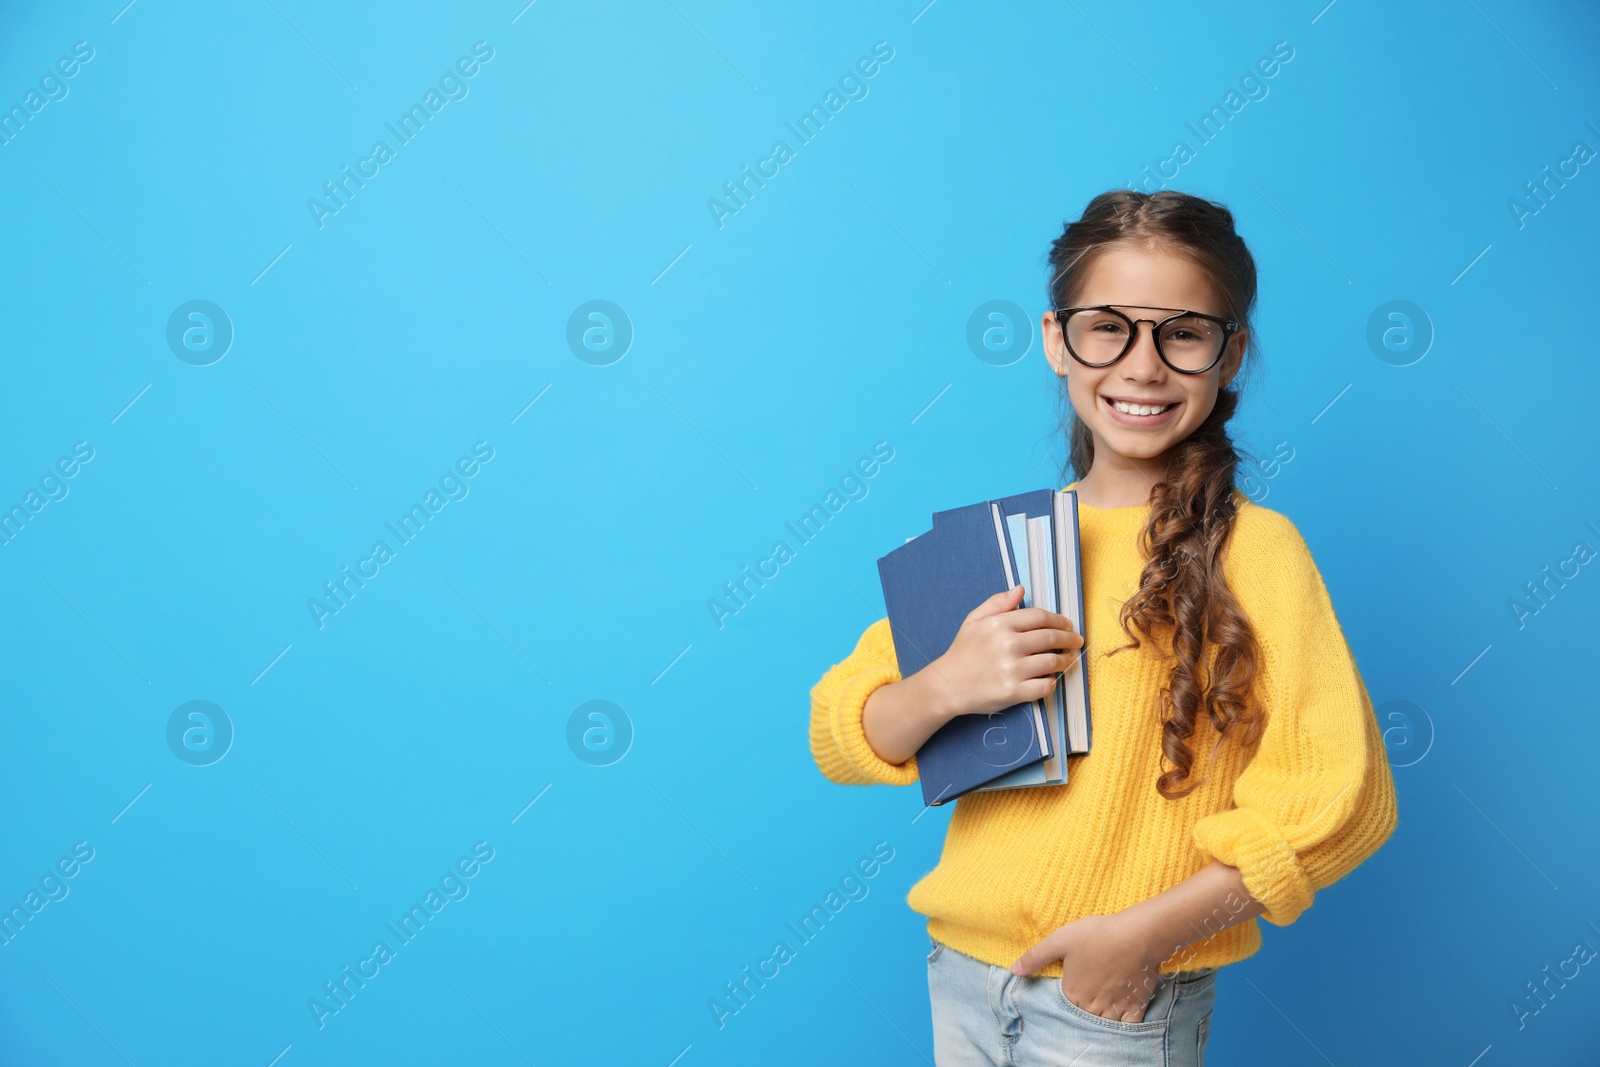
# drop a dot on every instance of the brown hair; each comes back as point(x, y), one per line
point(1182, 593)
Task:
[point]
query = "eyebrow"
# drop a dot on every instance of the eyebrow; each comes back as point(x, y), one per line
point(1148, 307)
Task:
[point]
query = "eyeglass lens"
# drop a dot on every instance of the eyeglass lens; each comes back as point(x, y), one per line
point(1189, 342)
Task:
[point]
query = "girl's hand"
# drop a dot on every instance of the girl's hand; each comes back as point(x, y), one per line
point(1001, 656)
point(1107, 965)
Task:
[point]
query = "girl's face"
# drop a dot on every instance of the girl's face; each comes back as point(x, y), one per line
point(1136, 274)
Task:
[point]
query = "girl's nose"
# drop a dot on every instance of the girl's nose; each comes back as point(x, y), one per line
point(1142, 360)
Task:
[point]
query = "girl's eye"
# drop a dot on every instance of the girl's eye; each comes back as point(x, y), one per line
point(1188, 335)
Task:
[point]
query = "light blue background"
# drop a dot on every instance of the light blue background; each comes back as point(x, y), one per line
point(768, 356)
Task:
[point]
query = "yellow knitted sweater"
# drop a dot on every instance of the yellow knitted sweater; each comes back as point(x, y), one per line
point(1314, 798)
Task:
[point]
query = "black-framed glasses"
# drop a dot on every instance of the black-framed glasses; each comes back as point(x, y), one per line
point(1187, 341)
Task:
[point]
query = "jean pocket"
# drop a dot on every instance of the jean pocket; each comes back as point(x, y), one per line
point(1157, 1027)
point(1195, 983)
point(936, 951)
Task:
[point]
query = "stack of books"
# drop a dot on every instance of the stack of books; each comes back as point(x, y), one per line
point(931, 584)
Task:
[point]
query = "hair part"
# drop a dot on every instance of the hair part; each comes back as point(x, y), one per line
point(1183, 594)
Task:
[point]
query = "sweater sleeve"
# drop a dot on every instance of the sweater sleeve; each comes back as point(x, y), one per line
point(837, 742)
point(1317, 796)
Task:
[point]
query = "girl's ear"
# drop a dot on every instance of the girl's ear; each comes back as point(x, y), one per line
point(1055, 348)
point(1235, 356)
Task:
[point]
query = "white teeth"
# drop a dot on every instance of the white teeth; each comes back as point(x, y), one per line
point(1139, 409)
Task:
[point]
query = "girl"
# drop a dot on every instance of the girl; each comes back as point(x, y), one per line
point(1237, 766)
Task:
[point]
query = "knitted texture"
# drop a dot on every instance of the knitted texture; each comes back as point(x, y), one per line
point(1312, 800)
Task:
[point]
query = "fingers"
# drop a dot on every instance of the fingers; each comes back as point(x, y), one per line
point(1037, 618)
point(1036, 688)
point(1043, 668)
point(1133, 1004)
point(1048, 640)
point(1040, 656)
point(1128, 1011)
point(1114, 1012)
point(1038, 954)
point(1117, 1011)
point(1000, 602)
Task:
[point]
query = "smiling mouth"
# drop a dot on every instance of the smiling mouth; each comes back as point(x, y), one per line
point(1140, 410)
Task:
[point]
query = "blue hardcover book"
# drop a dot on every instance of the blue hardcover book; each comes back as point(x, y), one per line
point(1064, 539)
point(1069, 586)
point(1031, 541)
point(1034, 504)
point(930, 585)
point(1072, 698)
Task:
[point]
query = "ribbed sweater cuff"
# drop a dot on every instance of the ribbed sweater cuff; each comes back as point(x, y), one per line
point(845, 723)
point(1271, 871)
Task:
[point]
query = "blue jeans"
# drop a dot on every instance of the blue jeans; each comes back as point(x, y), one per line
point(985, 1016)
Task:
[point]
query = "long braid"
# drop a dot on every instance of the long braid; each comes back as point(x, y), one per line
point(1183, 604)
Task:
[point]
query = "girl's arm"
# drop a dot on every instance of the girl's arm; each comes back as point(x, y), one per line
point(998, 658)
point(867, 722)
point(1207, 902)
point(1315, 800)
point(1317, 797)
point(838, 738)
point(1111, 961)
point(900, 716)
